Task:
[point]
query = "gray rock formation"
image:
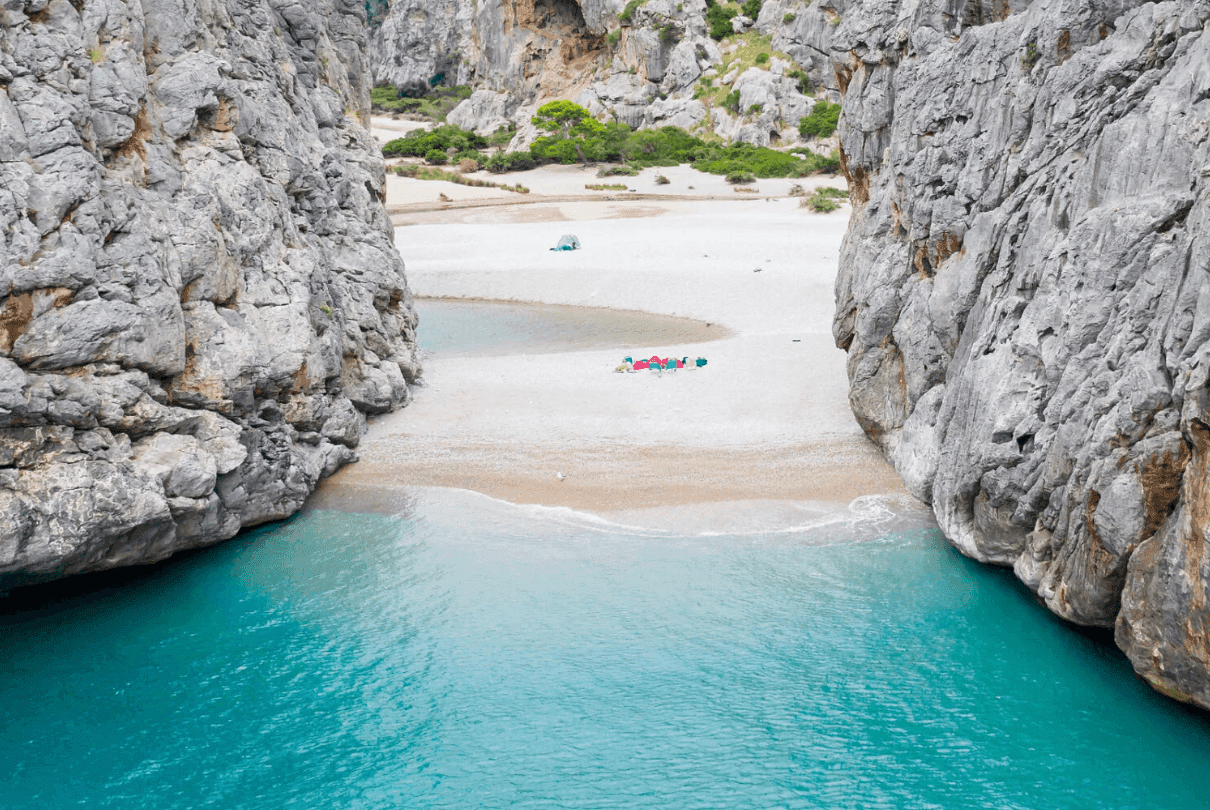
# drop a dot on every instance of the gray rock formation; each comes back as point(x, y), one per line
point(1024, 295)
point(199, 295)
point(645, 71)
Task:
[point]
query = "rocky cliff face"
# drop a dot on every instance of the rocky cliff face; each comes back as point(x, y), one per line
point(1024, 295)
point(199, 296)
point(651, 67)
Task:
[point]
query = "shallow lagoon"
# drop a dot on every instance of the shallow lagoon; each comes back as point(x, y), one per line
point(461, 328)
point(464, 652)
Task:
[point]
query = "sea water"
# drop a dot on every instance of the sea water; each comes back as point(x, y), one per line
point(459, 652)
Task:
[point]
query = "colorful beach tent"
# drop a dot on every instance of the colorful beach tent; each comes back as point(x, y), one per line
point(567, 242)
point(657, 363)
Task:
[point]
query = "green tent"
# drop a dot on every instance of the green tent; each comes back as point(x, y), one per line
point(567, 242)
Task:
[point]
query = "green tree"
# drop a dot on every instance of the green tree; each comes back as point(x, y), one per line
point(567, 121)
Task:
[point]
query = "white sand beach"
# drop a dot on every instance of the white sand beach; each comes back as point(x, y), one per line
point(766, 418)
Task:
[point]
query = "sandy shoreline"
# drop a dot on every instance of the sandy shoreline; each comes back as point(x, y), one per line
point(767, 418)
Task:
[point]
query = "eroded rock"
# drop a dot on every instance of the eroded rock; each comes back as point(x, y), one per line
point(199, 295)
point(1023, 294)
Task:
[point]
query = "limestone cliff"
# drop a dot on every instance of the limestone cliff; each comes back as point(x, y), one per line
point(199, 295)
point(645, 64)
point(1024, 294)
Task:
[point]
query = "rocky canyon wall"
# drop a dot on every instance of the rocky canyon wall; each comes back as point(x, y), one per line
point(199, 295)
point(1024, 295)
point(645, 64)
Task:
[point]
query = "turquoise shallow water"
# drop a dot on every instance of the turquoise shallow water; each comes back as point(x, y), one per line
point(465, 653)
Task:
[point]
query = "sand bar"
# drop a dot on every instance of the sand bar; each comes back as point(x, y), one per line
point(766, 419)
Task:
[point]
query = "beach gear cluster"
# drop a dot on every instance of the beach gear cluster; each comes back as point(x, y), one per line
point(655, 363)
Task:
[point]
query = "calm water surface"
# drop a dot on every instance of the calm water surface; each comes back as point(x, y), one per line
point(464, 653)
point(454, 328)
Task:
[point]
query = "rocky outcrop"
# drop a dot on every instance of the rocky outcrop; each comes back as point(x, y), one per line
point(1024, 294)
point(646, 65)
point(199, 295)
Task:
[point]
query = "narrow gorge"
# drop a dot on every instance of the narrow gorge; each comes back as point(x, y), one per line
point(201, 300)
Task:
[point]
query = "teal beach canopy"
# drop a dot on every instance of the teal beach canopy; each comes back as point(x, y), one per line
point(567, 242)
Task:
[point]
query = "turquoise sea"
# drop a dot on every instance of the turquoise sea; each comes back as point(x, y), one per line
point(453, 651)
point(466, 653)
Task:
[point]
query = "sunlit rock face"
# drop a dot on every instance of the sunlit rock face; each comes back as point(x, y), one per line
point(199, 296)
point(1024, 295)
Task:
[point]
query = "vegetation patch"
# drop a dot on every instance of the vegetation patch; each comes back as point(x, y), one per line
point(804, 82)
point(822, 120)
point(502, 162)
point(502, 135)
point(435, 104)
point(720, 15)
point(626, 15)
point(605, 186)
point(824, 200)
point(618, 171)
point(435, 145)
point(575, 137)
point(417, 171)
point(752, 45)
point(718, 19)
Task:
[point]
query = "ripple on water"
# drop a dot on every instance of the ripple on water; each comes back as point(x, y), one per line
point(468, 653)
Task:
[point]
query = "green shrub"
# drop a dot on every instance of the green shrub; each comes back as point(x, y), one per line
point(1030, 56)
point(661, 180)
point(719, 21)
point(819, 202)
point(762, 58)
point(751, 8)
point(835, 193)
point(755, 109)
point(605, 186)
point(821, 122)
point(789, 18)
point(666, 146)
point(731, 101)
point(611, 39)
point(667, 33)
point(436, 157)
point(617, 171)
point(740, 176)
point(510, 162)
point(804, 82)
point(627, 14)
point(468, 154)
point(382, 96)
point(501, 136)
point(418, 143)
